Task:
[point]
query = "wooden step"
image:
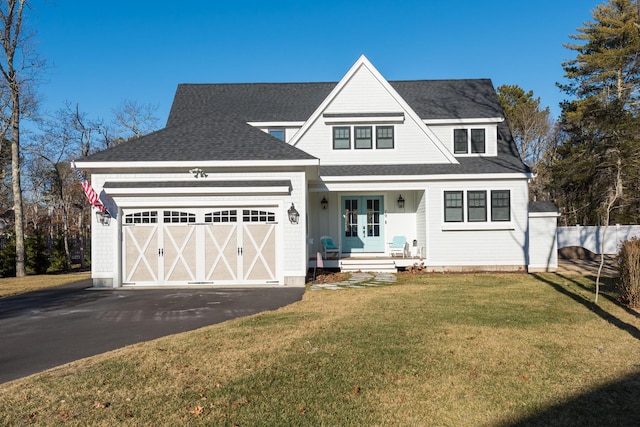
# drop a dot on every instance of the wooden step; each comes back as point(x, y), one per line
point(369, 265)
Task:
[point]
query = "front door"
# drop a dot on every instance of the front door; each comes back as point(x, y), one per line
point(363, 224)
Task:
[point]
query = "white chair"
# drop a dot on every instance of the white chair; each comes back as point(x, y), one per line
point(329, 247)
point(399, 246)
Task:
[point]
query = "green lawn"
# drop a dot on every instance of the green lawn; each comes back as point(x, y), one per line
point(445, 350)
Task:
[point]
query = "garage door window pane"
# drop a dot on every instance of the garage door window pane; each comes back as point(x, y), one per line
point(258, 216)
point(222, 216)
point(174, 217)
point(149, 217)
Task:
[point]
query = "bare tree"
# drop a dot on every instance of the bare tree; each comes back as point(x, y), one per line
point(65, 135)
point(132, 120)
point(19, 66)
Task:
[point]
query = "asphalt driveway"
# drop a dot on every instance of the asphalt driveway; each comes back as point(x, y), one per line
point(47, 328)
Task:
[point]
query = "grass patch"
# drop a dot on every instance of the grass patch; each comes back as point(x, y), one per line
point(17, 285)
point(430, 350)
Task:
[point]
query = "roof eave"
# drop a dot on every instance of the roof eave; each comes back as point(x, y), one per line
point(139, 165)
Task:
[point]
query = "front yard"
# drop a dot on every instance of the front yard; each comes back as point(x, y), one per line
point(457, 350)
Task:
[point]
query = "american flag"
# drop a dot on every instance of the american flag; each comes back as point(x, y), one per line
point(91, 194)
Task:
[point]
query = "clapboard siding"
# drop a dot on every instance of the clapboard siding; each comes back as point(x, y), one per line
point(467, 243)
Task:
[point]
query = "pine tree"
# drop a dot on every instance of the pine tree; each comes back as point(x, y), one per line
point(596, 166)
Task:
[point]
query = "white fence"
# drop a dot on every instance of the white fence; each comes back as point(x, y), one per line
point(590, 237)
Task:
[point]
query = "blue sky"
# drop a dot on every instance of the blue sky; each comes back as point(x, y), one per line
point(103, 52)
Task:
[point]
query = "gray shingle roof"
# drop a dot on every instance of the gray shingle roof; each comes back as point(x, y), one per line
point(209, 122)
point(205, 138)
point(431, 99)
point(542, 206)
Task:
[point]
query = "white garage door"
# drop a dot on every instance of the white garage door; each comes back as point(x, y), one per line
point(200, 246)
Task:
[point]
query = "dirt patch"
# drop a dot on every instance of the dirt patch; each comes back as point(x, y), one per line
point(589, 268)
point(577, 252)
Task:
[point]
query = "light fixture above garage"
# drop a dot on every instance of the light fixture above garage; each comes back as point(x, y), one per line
point(103, 217)
point(294, 215)
point(324, 203)
point(198, 173)
point(400, 202)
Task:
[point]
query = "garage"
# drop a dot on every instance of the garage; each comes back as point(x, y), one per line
point(200, 246)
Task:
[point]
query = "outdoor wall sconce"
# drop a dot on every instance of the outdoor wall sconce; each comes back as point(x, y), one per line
point(400, 202)
point(294, 215)
point(324, 203)
point(198, 173)
point(103, 217)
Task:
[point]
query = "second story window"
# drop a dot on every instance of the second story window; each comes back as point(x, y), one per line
point(341, 138)
point(277, 133)
point(363, 138)
point(460, 141)
point(463, 144)
point(384, 137)
point(477, 141)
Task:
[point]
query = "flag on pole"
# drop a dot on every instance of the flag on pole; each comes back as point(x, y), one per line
point(91, 194)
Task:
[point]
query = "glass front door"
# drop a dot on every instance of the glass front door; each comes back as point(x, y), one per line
point(363, 224)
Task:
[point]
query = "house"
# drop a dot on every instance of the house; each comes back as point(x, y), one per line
point(244, 179)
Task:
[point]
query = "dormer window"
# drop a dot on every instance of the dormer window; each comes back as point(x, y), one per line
point(341, 138)
point(467, 141)
point(384, 137)
point(277, 133)
point(363, 137)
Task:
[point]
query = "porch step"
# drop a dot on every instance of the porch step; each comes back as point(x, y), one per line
point(371, 265)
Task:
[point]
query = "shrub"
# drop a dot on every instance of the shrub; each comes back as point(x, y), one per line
point(8, 258)
point(58, 256)
point(629, 281)
point(37, 257)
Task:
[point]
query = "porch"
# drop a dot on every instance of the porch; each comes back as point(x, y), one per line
point(379, 263)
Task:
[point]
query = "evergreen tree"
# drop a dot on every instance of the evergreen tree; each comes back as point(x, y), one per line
point(532, 130)
point(529, 124)
point(37, 257)
point(595, 170)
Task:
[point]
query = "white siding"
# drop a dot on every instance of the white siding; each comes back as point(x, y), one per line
point(445, 134)
point(543, 250)
point(363, 93)
point(477, 244)
point(106, 243)
point(421, 221)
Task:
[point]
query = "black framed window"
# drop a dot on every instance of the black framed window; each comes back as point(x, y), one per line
point(384, 137)
point(362, 137)
point(500, 205)
point(460, 141)
point(453, 206)
point(476, 206)
point(341, 138)
point(477, 141)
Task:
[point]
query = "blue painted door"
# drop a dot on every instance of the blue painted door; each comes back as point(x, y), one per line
point(363, 224)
